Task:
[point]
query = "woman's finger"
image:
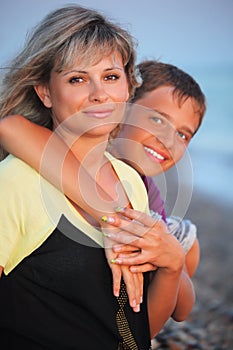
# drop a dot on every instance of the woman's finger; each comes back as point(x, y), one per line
point(125, 248)
point(139, 225)
point(116, 277)
point(116, 272)
point(143, 268)
point(140, 217)
point(126, 238)
point(134, 287)
point(138, 259)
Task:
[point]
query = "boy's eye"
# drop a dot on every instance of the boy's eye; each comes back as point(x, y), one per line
point(183, 136)
point(157, 120)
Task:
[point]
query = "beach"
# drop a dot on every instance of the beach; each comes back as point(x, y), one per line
point(210, 324)
point(204, 186)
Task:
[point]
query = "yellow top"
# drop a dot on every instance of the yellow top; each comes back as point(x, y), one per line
point(31, 208)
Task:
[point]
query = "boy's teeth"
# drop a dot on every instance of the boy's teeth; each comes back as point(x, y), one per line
point(155, 154)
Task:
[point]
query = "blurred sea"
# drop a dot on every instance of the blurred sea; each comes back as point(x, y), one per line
point(211, 150)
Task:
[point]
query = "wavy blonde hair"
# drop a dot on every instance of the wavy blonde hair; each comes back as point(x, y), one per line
point(64, 36)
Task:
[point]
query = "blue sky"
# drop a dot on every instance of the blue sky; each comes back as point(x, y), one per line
point(182, 32)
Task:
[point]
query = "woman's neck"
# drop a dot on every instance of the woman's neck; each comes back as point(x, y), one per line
point(90, 152)
point(109, 188)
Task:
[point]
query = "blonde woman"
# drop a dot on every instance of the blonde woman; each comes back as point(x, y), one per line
point(56, 289)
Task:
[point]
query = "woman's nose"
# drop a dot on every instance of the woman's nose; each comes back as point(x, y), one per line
point(98, 93)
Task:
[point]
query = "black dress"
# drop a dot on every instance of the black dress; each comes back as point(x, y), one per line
point(60, 297)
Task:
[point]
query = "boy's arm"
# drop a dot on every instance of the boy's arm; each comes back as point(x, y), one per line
point(30, 142)
point(185, 233)
point(192, 258)
point(183, 230)
point(186, 289)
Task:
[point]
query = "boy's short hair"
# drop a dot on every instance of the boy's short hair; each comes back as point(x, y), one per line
point(155, 74)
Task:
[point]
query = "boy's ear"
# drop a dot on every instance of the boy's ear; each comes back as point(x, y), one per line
point(43, 93)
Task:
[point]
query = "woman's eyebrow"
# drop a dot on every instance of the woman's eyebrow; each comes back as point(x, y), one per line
point(86, 72)
point(74, 71)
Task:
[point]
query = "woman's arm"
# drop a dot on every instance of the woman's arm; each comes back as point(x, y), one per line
point(47, 153)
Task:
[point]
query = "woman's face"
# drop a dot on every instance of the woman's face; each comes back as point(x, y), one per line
point(157, 131)
point(98, 91)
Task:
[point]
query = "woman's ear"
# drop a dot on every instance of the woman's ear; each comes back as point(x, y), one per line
point(43, 93)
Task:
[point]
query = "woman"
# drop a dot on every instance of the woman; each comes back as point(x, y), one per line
point(56, 292)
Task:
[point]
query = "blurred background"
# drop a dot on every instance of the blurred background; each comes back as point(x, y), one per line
point(197, 37)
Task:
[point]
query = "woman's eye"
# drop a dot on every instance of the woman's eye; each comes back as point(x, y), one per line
point(112, 77)
point(75, 80)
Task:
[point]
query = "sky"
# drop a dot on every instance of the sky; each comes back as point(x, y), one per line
point(181, 32)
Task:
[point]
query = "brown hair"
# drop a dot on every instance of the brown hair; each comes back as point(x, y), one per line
point(155, 74)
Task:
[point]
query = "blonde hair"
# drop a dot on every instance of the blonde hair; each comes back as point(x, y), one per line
point(62, 37)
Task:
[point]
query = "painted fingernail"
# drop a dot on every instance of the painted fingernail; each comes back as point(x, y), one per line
point(108, 219)
point(120, 209)
point(137, 308)
point(105, 234)
point(115, 261)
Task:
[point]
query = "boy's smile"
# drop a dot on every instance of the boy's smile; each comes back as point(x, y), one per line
point(157, 131)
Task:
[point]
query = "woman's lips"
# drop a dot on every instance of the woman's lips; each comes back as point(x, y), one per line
point(100, 113)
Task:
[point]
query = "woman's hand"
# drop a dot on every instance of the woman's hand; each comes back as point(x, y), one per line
point(133, 281)
point(154, 245)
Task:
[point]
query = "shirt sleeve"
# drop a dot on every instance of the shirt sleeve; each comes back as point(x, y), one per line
point(184, 230)
point(24, 222)
point(10, 226)
point(156, 204)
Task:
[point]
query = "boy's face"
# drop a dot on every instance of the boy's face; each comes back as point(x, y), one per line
point(157, 131)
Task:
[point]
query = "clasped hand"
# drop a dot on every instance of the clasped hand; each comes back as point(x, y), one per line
point(136, 243)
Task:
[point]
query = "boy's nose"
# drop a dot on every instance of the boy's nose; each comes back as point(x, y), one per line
point(167, 136)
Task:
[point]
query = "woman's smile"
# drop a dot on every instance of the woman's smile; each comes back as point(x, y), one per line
point(100, 112)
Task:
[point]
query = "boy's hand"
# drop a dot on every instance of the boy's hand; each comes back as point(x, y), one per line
point(151, 239)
